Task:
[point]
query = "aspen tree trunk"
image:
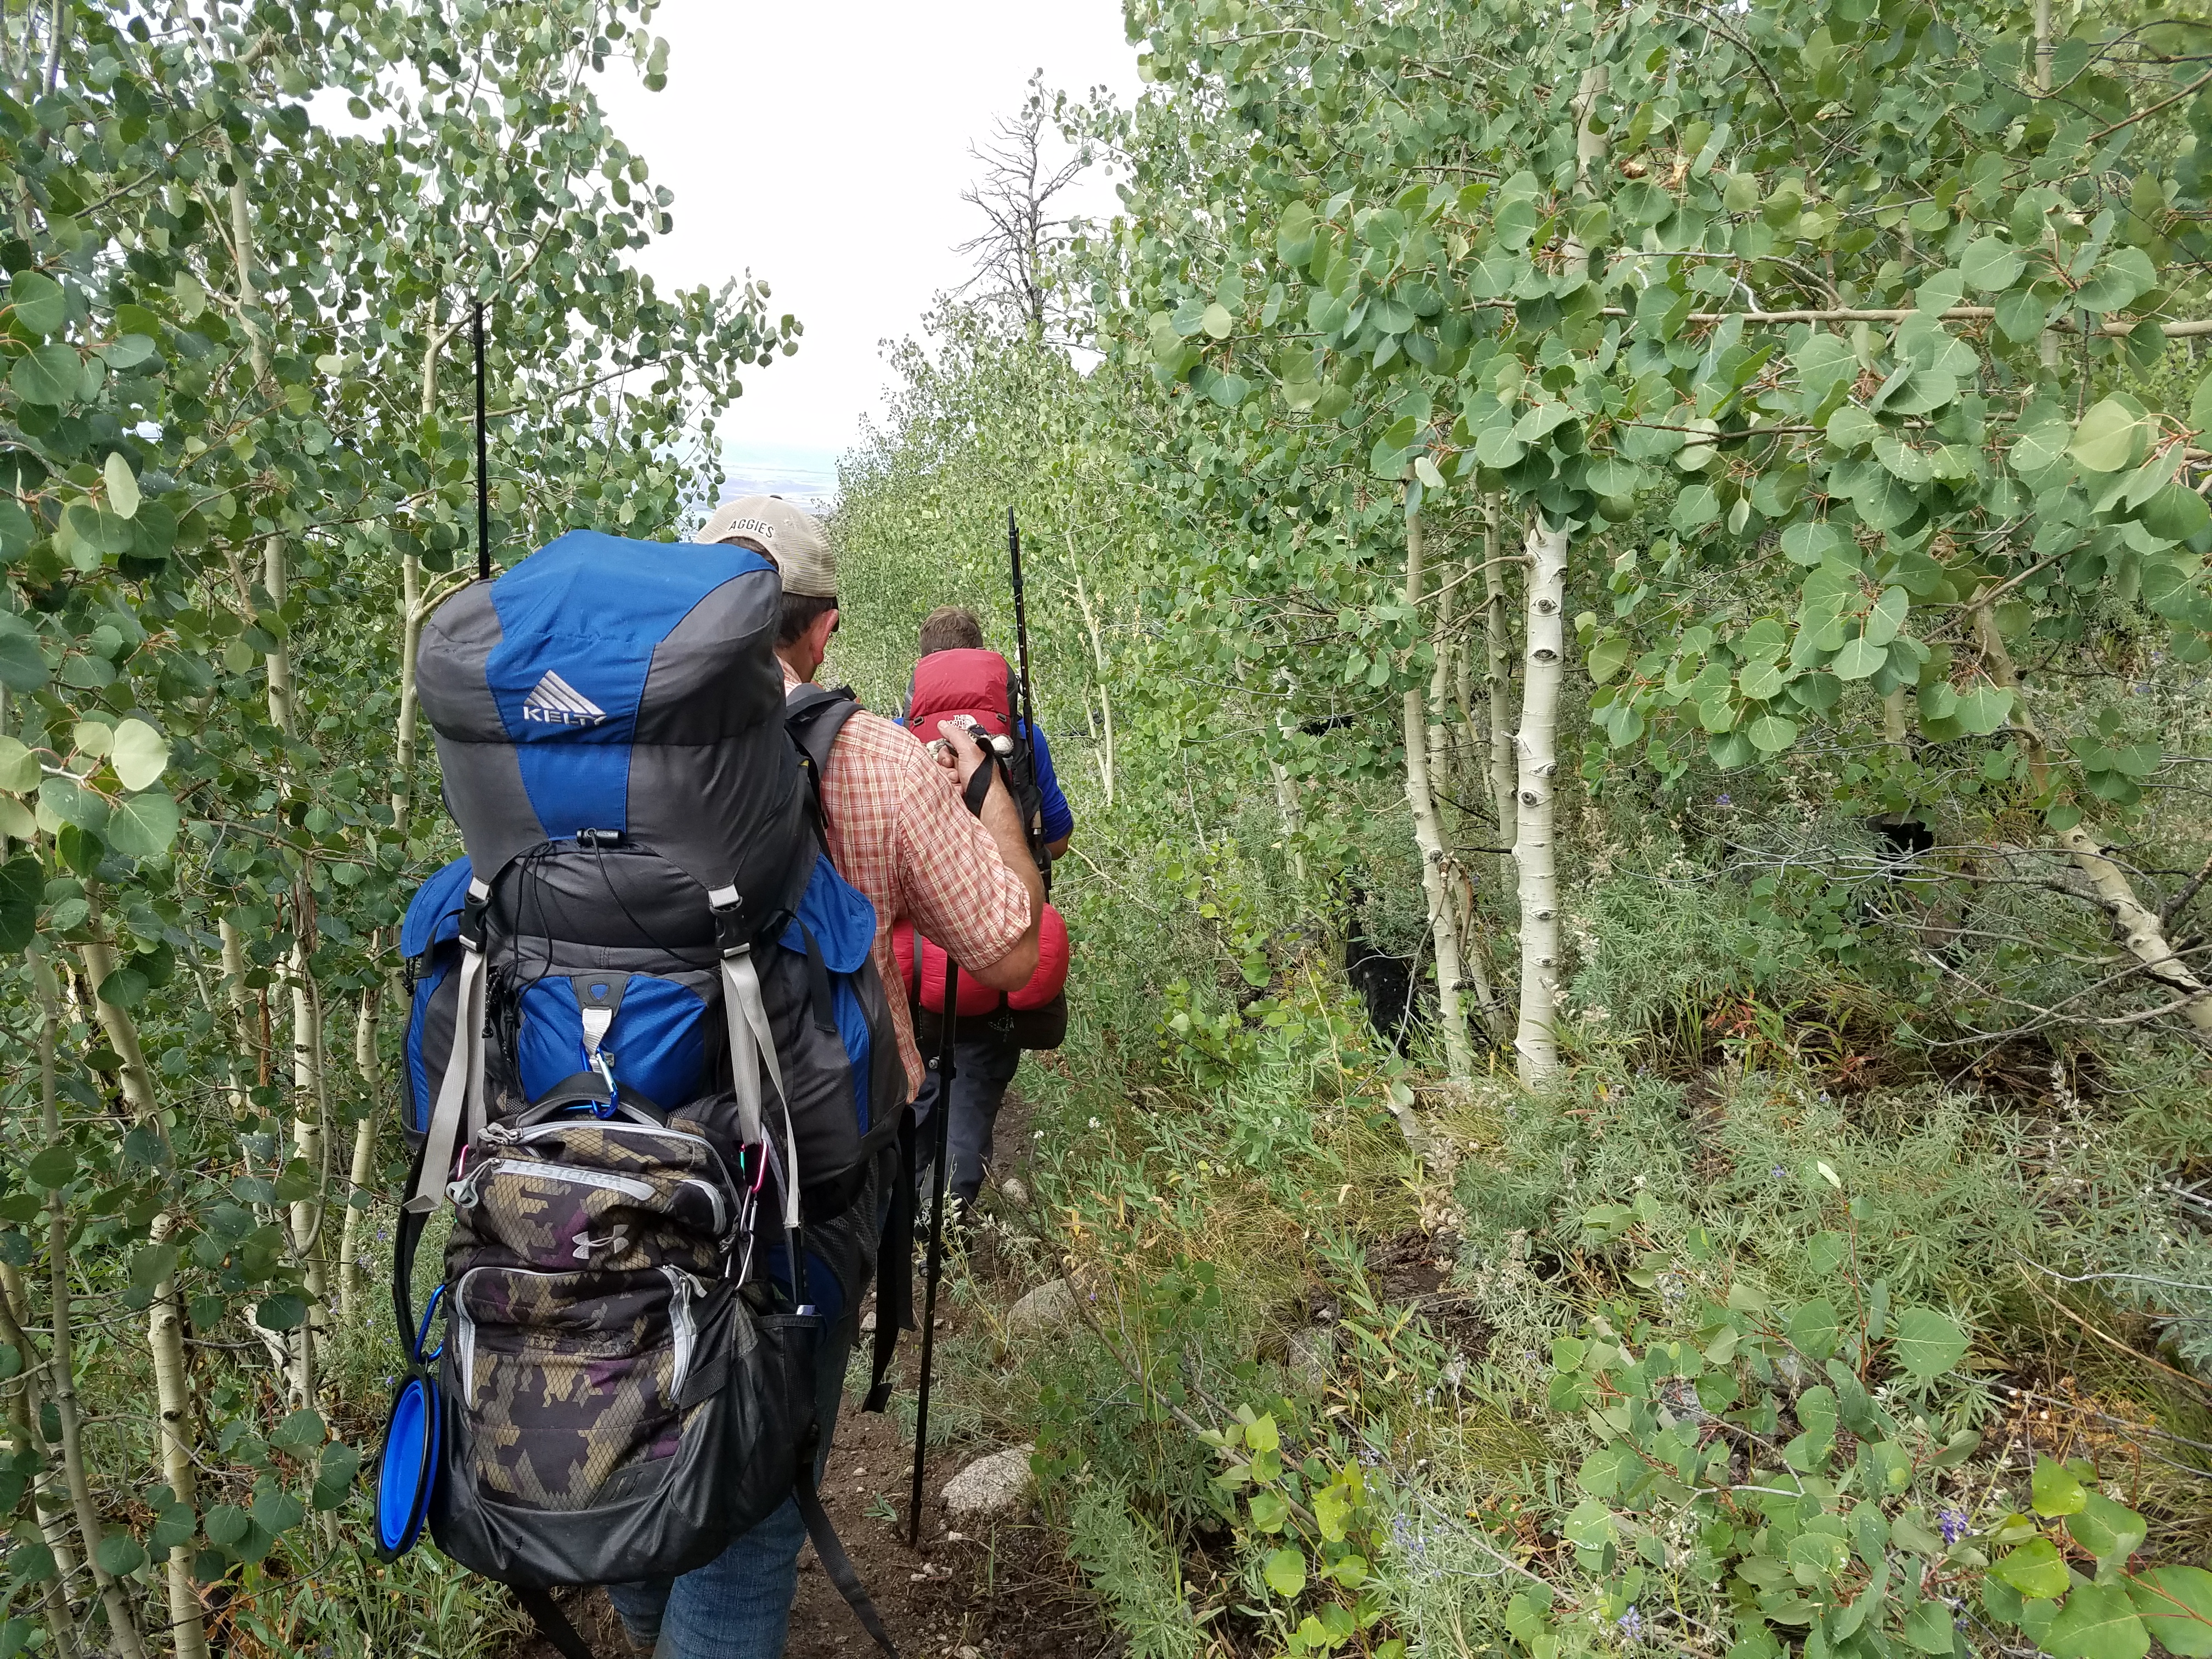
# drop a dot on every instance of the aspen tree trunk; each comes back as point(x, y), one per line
point(363, 1168)
point(1105, 699)
point(411, 616)
point(1444, 643)
point(1446, 772)
point(116, 1023)
point(234, 973)
point(165, 1338)
point(49, 1507)
point(1286, 803)
point(165, 1335)
point(2137, 927)
point(1536, 1040)
point(410, 642)
point(275, 577)
point(1474, 761)
point(1428, 834)
point(1497, 682)
point(310, 1111)
point(1535, 842)
point(2046, 345)
point(122, 1627)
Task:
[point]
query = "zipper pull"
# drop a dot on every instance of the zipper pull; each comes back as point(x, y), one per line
point(463, 1193)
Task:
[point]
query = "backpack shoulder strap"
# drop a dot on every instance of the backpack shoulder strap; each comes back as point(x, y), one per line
point(814, 716)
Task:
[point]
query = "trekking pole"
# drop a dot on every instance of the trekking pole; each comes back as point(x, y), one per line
point(940, 1156)
point(483, 473)
point(1021, 622)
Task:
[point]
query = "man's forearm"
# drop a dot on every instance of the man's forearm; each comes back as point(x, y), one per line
point(1003, 818)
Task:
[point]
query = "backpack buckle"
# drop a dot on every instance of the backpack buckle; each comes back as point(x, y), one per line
point(728, 911)
point(472, 930)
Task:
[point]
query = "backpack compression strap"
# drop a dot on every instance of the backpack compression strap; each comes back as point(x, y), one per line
point(552, 1624)
point(460, 1088)
point(753, 1042)
point(830, 1551)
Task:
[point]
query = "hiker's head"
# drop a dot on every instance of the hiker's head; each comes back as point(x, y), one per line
point(950, 628)
point(793, 541)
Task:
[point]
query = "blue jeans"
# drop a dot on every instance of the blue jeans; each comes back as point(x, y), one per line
point(983, 1068)
point(738, 1605)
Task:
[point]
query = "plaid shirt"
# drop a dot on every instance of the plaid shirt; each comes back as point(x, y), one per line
point(899, 833)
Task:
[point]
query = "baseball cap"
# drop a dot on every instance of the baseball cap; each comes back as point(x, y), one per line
point(770, 524)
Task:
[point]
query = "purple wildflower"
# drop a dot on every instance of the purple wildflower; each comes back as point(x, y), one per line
point(1632, 1625)
point(1721, 799)
point(1952, 1525)
point(1778, 1172)
point(1408, 1540)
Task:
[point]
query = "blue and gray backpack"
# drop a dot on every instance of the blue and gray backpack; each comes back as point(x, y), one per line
point(650, 1068)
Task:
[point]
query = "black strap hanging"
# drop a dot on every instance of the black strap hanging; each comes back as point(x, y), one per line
point(940, 1144)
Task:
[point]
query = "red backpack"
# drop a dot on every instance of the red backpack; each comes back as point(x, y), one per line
point(979, 685)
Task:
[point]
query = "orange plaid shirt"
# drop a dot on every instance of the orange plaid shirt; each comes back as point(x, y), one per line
point(899, 833)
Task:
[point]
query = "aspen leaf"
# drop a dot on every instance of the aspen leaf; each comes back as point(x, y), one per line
point(139, 754)
point(38, 301)
point(2114, 435)
point(1927, 1343)
point(144, 825)
point(2175, 1604)
point(2035, 1569)
point(2055, 1491)
point(2097, 1622)
point(19, 767)
point(1990, 265)
point(1285, 1572)
point(122, 485)
point(1858, 659)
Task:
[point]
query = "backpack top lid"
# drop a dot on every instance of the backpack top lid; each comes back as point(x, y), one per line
point(965, 681)
point(610, 684)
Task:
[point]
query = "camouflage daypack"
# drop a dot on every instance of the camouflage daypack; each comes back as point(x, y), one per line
point(652, 1069)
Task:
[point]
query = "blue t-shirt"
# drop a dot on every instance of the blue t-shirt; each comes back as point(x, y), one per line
point(1059, 822)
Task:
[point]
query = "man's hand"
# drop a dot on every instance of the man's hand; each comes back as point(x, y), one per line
point(1002, 819)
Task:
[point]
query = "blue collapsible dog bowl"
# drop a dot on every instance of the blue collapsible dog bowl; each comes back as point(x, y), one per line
point(407, 1472)
point(408, 1468)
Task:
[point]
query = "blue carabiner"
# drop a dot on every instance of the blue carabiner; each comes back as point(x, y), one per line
point(601, 1062)
point(422, 1333)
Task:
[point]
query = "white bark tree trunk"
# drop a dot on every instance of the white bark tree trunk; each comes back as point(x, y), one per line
point(1497, 682)
point(363, 1167)
point(121, 1624)
point(310, 1110)
point(1105, 698)
point(165, 1339)
point(1428, 835)
point(1536, 1039)
point(165, 1336)
point(1286, 804)
point(49, 1502)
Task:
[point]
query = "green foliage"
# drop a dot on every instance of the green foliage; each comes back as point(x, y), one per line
point(1129, 1563)
point(238, 462)
point(1317, 1528)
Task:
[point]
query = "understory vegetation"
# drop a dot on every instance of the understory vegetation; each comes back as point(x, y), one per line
point(1621, 596)
point(1623, 600)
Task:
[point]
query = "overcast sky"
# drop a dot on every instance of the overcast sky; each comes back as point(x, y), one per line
point(825, 148)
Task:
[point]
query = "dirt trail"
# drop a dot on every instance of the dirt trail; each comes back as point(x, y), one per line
point(999, 1594)
point(1003, 1591)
